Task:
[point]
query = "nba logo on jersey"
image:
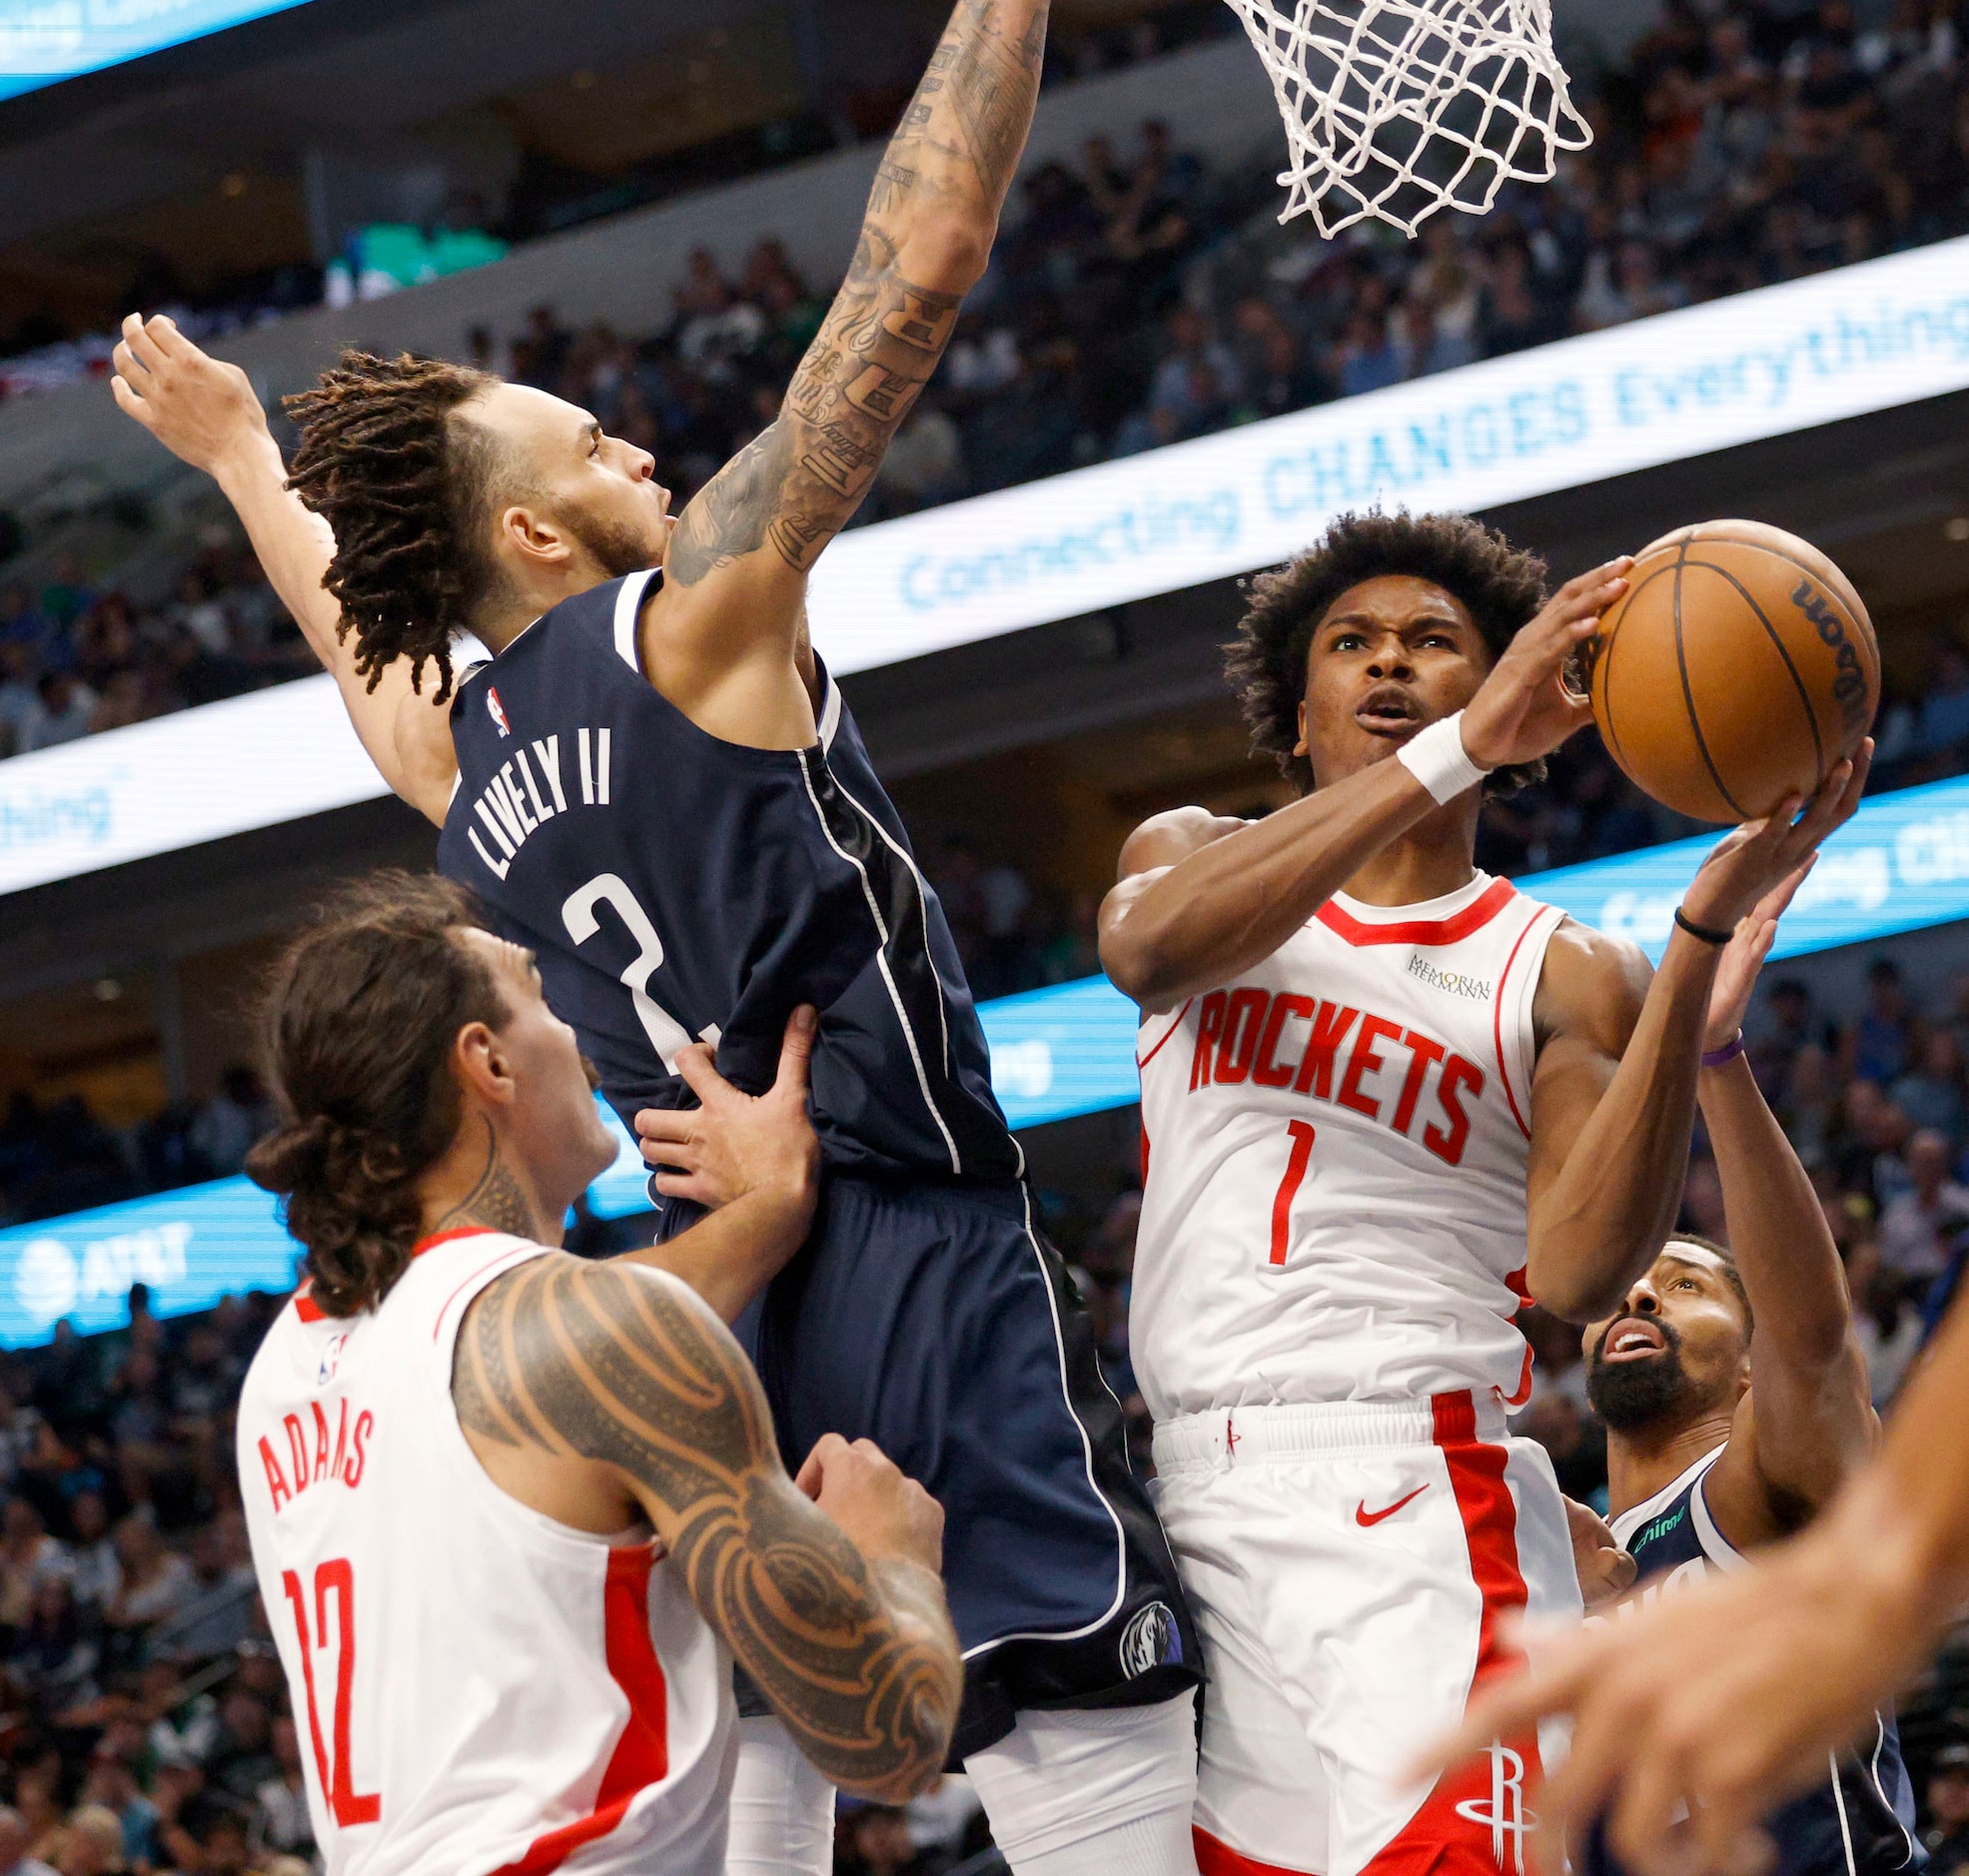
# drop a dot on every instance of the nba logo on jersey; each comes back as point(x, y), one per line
point(497, 711)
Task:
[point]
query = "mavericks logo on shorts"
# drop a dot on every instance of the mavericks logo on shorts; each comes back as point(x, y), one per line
point(1151, 1639)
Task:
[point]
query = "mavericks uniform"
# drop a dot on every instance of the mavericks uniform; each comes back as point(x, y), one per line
point(1331, 1257)
point(482, 1691)
point(676, 887)
point(1859, 1819)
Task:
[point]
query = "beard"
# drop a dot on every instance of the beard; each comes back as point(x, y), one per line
point(618, 547)
point(1630, 1396)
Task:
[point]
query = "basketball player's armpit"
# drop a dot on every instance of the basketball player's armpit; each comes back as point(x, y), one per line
point(855, 1659)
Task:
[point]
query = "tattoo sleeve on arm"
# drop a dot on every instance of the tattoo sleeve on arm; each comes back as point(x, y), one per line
point(937, 192)
point(624, 1366)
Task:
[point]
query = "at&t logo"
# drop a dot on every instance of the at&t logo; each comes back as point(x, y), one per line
point(1503, 1811)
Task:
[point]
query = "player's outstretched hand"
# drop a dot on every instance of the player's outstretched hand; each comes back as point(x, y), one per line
point(1743, 959)
point(1759, 857)
point(1603, 1569)
point(1694, 1719)
point(732, 1143)
point(200, 408)
point(886, 1512)
point(1526, 708)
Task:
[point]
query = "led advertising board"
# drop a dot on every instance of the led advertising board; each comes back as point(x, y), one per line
point(1757, 365)
point(44, 41)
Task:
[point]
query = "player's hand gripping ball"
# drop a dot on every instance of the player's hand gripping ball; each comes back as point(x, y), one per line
point(1739, 667)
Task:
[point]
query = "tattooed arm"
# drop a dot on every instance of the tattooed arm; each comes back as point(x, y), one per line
point(587, 1388)
point(738, 560)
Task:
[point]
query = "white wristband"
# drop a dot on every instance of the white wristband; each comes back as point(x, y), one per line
point(1437, 759)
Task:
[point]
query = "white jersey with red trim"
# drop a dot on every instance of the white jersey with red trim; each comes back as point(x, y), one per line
point(1335, 1152)
point(479, 1688)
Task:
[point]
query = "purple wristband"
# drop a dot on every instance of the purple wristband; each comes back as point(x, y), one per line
point(1721, 1058)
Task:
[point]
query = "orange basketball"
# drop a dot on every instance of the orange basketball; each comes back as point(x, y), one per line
point(1739, 666)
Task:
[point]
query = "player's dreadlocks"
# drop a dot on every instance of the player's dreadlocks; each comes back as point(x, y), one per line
point(406, 486)
point(1502, 586)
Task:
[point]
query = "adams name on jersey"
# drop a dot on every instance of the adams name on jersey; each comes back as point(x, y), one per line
point(678, 887)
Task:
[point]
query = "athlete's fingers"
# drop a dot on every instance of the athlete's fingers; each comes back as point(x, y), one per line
point(686, 1155)
point(670, 1124)
point(1776, 903)
point(138, 342)
point(796, 1051)
point(131, 404)
point(1642, 1817)
point(687, 1186)
point(697, 1065)
point(812, 1474)
point(164, 333)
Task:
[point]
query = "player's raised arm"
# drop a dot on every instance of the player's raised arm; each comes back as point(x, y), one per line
point(832, 1601)
point(738, 562)
point(1614, 1094)
point(1808, 1420)
point(203, 411)
point(1695, 1718)
point(1202, 898)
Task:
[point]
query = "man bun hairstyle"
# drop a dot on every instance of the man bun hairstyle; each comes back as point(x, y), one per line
point(357, 1025)
point(1502, 586)
point(407, 489)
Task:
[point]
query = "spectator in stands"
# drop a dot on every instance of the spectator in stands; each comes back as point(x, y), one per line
point(1879, 1047)
point(1948, 1809)
point(1917, 1225)
point(14, 1840)
point(62, 711)
point(157, 1582)
point(1931, 1094)
point(230, 1119)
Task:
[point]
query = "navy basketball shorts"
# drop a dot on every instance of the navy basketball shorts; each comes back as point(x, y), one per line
point(937, 1321)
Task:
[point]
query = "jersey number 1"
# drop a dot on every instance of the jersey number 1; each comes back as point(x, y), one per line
point(336, 1581)
point(1296, 1164)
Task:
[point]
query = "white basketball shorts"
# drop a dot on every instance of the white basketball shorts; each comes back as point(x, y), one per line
point(1349, 1566)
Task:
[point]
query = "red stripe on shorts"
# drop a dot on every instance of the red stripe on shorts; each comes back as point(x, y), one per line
point(1473, 1822)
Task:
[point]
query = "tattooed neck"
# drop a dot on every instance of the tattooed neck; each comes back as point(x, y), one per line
point(497, 1200)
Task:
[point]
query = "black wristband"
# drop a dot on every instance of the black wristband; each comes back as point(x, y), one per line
point(1705, 933)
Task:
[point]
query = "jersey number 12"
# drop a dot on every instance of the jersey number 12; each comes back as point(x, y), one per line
point(335, 1583)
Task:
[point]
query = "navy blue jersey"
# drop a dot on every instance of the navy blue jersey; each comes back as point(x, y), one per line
point(678, 887)
point(1859, 1819)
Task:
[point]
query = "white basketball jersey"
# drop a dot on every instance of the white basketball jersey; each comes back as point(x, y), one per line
point(479, 1688)
point(1335, 1153)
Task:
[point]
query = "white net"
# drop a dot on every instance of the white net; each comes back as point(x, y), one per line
point(1396, 108)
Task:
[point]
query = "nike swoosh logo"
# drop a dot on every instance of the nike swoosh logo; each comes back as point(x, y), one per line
point(1365, 1517)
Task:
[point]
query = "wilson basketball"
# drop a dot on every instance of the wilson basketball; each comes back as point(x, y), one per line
point(1739, 666)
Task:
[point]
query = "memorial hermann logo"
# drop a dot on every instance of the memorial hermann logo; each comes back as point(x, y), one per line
point(1451, 983)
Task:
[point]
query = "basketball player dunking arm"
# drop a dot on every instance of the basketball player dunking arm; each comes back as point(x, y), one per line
point(1737, 1402)
point(1386, 1099)
point(505, 1504)
point(655, 788)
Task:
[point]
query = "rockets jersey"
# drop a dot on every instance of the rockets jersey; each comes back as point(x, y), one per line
point(1859, 1819)
point(1334, 1151)
point(480, 1688)
point(676, 887)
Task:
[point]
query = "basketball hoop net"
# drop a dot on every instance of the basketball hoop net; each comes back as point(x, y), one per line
point(1396, 108)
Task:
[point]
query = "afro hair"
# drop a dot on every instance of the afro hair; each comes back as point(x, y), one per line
point(1500, 586)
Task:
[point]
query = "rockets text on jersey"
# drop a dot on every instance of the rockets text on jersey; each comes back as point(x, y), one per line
point(480, 1690)
point(1334, 1158)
